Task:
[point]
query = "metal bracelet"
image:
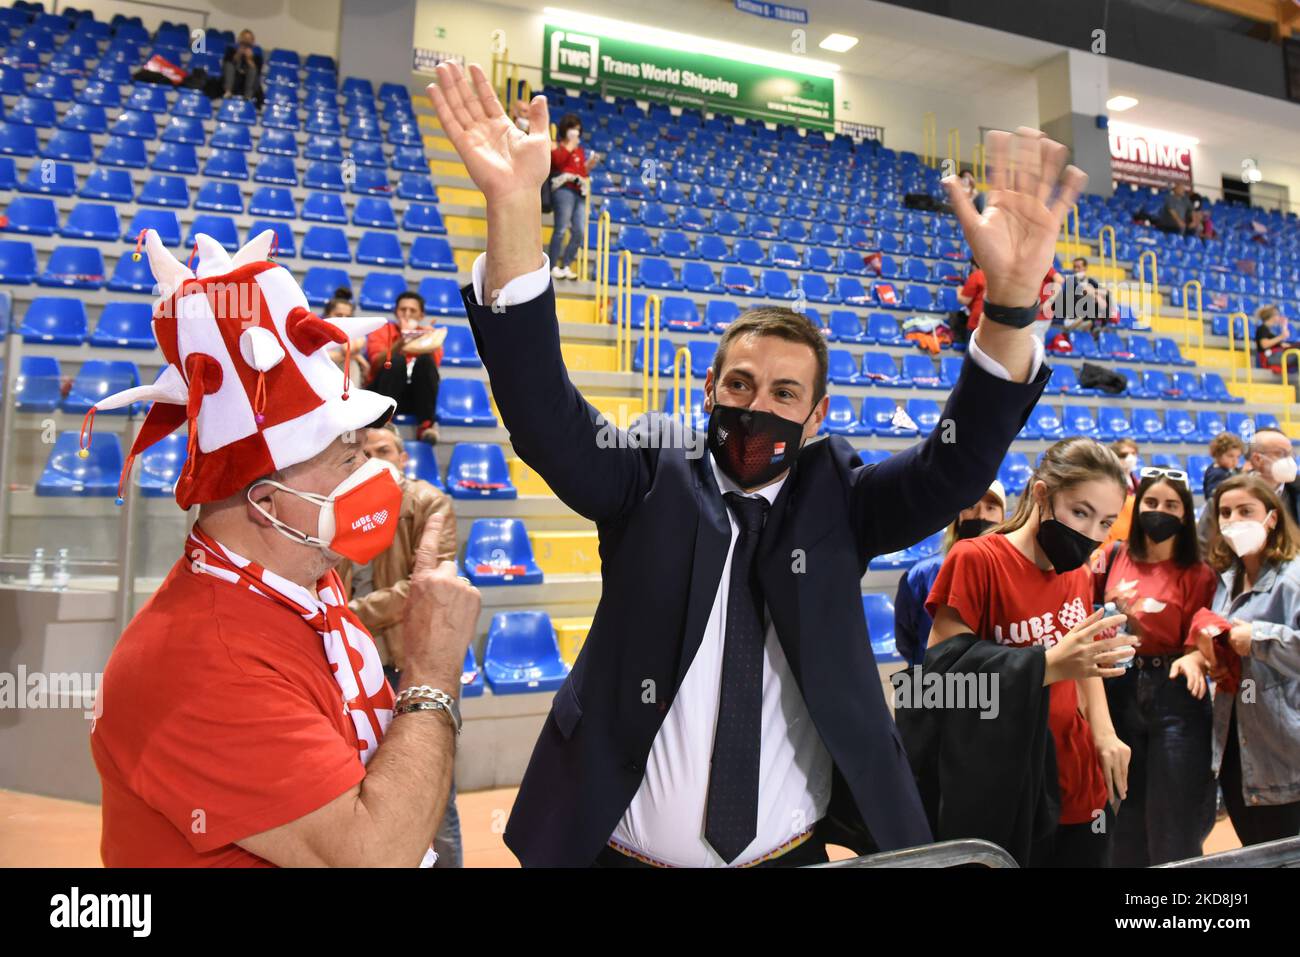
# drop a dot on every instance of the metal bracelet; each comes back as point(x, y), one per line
point(428, 706)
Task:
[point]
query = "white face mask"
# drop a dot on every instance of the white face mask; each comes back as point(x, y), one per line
point(1245, 537)
point(1284, 470)
point(1130, 463)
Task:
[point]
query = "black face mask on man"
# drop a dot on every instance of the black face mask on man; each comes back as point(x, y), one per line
point(753, 447)
point(1065, 548)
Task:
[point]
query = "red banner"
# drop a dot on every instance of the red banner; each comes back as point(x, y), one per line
point(1149, 161)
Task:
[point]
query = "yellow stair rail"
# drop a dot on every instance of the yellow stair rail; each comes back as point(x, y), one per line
point(649, 395)
point(602, 265)
point(1154, 285)
point(954, 148)
point(1111, 269)
point(930, 138)
point(681, 406)
point(1245, 344)
point(979, 165)
point(1066, 232)
point(623, 295)
point(1200, 316)
point(1286, 383)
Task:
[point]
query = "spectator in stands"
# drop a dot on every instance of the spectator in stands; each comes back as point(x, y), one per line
point(378, 591)
point(241, 68)
point(1272, 458)
point(570, 184)
point(1251, 645)
point(519, 113)
point(1083, 302)
point(630, 770)
point(1177, 215)
point(1272, 338)
point(404, 356)
point(1159, 705)
point(972, 191)
point(911, 621)
point(1027, 585)
point(1048, 293)
point(1226, 450)
point(1126, 450)
point(971, 295)
point(1203, 221)
point(340, 306)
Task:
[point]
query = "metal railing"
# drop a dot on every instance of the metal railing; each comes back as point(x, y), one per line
point(649, 376)
point(1112, 268)
point(623, 296)
point(954, 148)
point(682, 399)
point(602, 264)
point(1066, 231)
point(1200, 316)
point(979, 164)
point(944, 854)
point(1154, 296)
point(1283, 853)
point(930, 138)
point(1245, 344)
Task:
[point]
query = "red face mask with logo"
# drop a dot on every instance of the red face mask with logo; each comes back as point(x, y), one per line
point(358, 520)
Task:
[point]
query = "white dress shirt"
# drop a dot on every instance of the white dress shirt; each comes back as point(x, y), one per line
point(665, 820)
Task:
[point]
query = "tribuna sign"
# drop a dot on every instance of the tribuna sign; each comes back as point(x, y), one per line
point(1148, 160)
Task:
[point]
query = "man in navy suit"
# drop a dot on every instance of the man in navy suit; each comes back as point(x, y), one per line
point(726, 708)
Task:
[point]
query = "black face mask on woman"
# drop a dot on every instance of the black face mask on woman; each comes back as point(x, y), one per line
point(753, 447)
point(1065, 548)
point(1159, 526)
point(973, 527)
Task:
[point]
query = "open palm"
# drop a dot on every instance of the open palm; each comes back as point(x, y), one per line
point(1014, 239)
point(502, 159)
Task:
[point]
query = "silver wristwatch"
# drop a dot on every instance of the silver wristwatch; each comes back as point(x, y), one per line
point(425, 698)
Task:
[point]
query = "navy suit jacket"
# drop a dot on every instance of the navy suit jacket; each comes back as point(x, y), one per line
point(664, 536)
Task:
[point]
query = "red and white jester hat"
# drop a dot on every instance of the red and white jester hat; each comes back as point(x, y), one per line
point(247, 370)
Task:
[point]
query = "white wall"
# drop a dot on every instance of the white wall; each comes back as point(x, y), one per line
point(308, 26)
point(1211, 163)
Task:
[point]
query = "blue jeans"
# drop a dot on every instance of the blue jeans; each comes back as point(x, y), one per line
point(570, 214)
point(1170, 806)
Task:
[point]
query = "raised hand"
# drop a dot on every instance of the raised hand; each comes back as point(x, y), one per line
point(502, 160)
point(1014, 239)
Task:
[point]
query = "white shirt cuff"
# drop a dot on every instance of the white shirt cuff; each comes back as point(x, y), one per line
point(993, 367)
point(521, 289)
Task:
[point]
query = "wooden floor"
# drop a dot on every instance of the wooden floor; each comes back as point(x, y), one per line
point(39, 831)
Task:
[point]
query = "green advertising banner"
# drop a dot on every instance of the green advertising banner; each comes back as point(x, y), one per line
point(621, 67)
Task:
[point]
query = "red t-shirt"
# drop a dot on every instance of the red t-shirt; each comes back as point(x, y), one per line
point(1167, 594)
point(569, 161)
point(1004, 597)
point(974, 289)
point(221, 719)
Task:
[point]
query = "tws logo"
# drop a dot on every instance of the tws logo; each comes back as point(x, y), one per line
point(574, 57)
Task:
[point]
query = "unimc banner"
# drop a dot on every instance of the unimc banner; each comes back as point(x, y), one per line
point(622, 67)
point(1149, 161)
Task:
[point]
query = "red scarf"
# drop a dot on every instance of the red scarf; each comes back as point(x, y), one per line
point(350, 650)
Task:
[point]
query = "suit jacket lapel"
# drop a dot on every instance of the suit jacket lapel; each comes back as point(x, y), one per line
point(712, 538)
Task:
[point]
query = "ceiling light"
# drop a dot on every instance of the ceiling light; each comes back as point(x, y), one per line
point(839, 43)
point(1118, 104)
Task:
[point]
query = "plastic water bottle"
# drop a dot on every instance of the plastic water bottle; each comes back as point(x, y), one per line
point(61, 572)
point(1112, 609)
point(36, 570)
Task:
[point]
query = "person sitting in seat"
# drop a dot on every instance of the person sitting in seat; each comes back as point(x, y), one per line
point(241, 68)
point(404, 357)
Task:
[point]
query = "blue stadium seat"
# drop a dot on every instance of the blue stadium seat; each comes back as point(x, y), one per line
point(702, 355)
point(699, 419)
point(39, 385)
point(920, 370)
point(67, 474)
point(1113, 424)
point(458, 349)
point(33, 111)
point(379, 290)
point(35, 215)
point(184, 131)
point(162, 190)
point(237, 110)
point(1015, 473)
point(321, 175)
point(278, 170)
point(324, 208)
point(842, 418)
point(131, 275)
point(925, 413)
point(432, 253)
point(123, 151)
point(97, 379)
point(226, 164)
point(273, 201)
point(842, 368)
point(51, 179)
point(1079, 420)
point(886, 418)
point(773, 283)
point(176, 158)
point(422, 463)
point(950, 369)
point(884, 330)
point(423, 218)
point(54, 320)
point(699, 277)
point(377, 248)
point(679, 313)
point(69, 145)
point(720, 313)
point(127, 325)
point(1180, 426)
point(219, 197)
point(74, 267)
point(320, 282)
point(161, 465)
point(1196, 468)
point(163, 221)
point(148, 97)
point(417, 187)
point(441, 297)
point(878, 368)
point(1167, 351)
point(17, 262)
point(642, 346)
point(278, 142)
point(1242, 423)
point(8, 173)
point(656, 273)
point(285, 245)
point(479, 470)
point(522, 653)
point(231, 136)
point(368, 181)
point(1044, 423)
point(374, 212)
point(464, 402)
point(85, 118)
point(220, 228)
point(329, 243)
point(92, 221)
point(1148, 426)
point(845, 326)
point(1216, 389)
point(1187, 385)
point(17, 139)
point(135, 123)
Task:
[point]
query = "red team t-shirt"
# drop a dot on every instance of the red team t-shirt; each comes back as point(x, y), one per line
point(1165, 596)
point(221, 719)
point(1004, 597)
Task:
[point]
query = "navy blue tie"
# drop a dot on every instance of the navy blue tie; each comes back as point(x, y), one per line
point(731, 820)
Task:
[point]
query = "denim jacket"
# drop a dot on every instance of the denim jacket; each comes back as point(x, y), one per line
point(1268, 728)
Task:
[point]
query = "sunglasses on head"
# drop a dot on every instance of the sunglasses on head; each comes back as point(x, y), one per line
point(1173, 475)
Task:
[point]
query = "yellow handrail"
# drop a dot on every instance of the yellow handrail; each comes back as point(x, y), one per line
point(1293, 351)
point(1112, 283)
point(1200, 316)
point(623, 337)
point(979, 164)
point(954, 148)
point(1155, 276)
point(930, 139)
point(652, 308)
point(1245, 344)
point(682, 359)
point(602, 265)
point(1065, 230)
